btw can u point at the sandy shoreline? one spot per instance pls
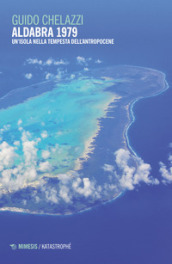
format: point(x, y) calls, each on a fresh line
point(89, 148)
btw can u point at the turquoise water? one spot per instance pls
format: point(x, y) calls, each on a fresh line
point(55, 126)
point(46, 130)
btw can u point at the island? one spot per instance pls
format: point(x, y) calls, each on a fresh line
point(64, 145)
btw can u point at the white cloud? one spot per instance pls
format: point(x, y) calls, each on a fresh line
point(67, 178)
point(132, 175)
point(5, 128)
point(28, 76)
point(59, 74)
point(98, 61)
point(86, 69)
point(61, 62)
point(45, 154)
point(20, 128)
point(37, 199)
point(55, 148)
point(44, 134)
point(49, 76)
point(29, 149)
point(81, 60)
point(34, 61)
point(18, 171)
point(69, 187)
point(17, 143)
point(14, 177)
point(87, 189)
point(126, 172)
point(64, 194)
point(166, 172)
point(45, 166)
point(7, 155)
point(51, 195)
point(24, 202)
point(108, 167)
point(6, 175)
point(30, 173)
point(72, 76)
point(49, 62)
point(19, 122)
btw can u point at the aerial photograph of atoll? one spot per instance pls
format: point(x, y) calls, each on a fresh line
point(65, 141)
point(85, 132)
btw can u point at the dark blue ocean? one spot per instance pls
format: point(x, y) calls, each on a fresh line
point(136, 227)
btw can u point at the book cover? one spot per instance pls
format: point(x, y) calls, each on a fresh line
point(85, 132)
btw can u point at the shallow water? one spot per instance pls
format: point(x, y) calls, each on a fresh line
point(70, 133)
